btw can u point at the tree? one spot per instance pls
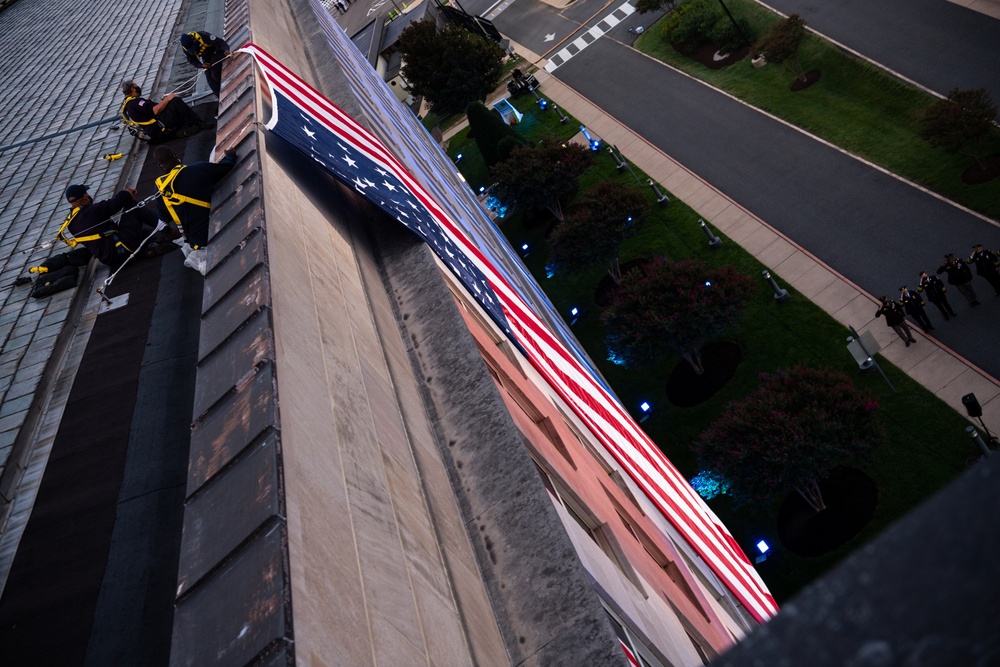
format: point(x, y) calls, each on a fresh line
point(535, 177)
point(488, 128)
point(450, 67)
point(674, 307)
point(961, 123)
point(781, 44)
point(789, 434)
point(610, 213)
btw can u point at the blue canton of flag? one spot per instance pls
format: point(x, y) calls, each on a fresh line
point(383, 189)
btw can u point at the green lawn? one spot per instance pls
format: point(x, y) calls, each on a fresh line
point(854, 105)
point(925, 445)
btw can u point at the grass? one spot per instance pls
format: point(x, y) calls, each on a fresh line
point(925, 444)
point(854, 105)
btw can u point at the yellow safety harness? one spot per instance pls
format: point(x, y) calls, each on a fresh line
point(128, 120)
point(72, 241)
point(165, 184)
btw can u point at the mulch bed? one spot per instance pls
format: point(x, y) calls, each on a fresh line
point(850, 496)
point(686, 389)
point(812, 76)
point(976, 175)
point(705, 54)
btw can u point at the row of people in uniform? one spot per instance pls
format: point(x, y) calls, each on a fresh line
point(185, 191)
point(960, 276)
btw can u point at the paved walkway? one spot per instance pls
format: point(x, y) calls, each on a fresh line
point(933, 365)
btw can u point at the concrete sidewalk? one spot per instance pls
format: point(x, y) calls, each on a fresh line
point(942, 371)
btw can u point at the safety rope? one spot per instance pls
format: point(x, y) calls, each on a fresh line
point(160, 225)
point(187, 85)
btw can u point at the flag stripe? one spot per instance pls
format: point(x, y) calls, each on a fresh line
point(617, 431)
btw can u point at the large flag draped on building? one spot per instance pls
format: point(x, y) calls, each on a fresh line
point(322, 131)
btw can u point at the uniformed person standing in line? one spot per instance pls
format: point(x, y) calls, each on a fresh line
point(935, 290)
point(914, 307)
point(987, 266)
point(206, 51)
point(959, 277)
point(896, 319)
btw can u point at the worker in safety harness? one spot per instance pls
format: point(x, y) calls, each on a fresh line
point(187, 192)
point(206, 51)
point(90, 223)
point(170, 117)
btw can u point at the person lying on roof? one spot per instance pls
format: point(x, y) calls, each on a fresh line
point(159, 121)
point(206, 51)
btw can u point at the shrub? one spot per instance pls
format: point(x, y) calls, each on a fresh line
point(781, 44)
point(961, 123)
point(694, 25)
point(490, 131)
point(609, 213)
point(727, 38)
point(674, 307)
point(789, 434)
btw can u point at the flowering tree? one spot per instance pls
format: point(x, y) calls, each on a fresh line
point(536, 177)
point(674, 307)
point(609, 213)
point(961, 123)
point(781, 44)
point(789, 434)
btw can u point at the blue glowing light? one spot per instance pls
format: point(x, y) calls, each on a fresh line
point(524, 247)
point(550, 270)
point(708, 283)
point(458, 157)
point(615, 359)
point(762, 547)
point(710, 484)
point(543, 103)
point(645, 407)
point(498, 207)
point(574, 311)
point(482, 189)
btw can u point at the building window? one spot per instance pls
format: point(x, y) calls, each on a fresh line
point(637, 650)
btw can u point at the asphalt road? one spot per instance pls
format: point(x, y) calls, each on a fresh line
point(876, 230)
point(936, 43)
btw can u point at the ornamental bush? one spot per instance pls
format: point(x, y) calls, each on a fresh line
point(607, 215)
point(961, 123)
point(789, 434)
point(781, 44)
point(674, 307)
point(693, 26)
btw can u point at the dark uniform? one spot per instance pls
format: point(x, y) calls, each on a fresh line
point(987, 266)
point(959, 277)
point(112, 244)
point(203, 48)
point(914, 307)
point(187, 194)
point(896, 319)
point(176, 119)
point(934, 289)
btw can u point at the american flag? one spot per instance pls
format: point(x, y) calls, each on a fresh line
point(321, 130)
